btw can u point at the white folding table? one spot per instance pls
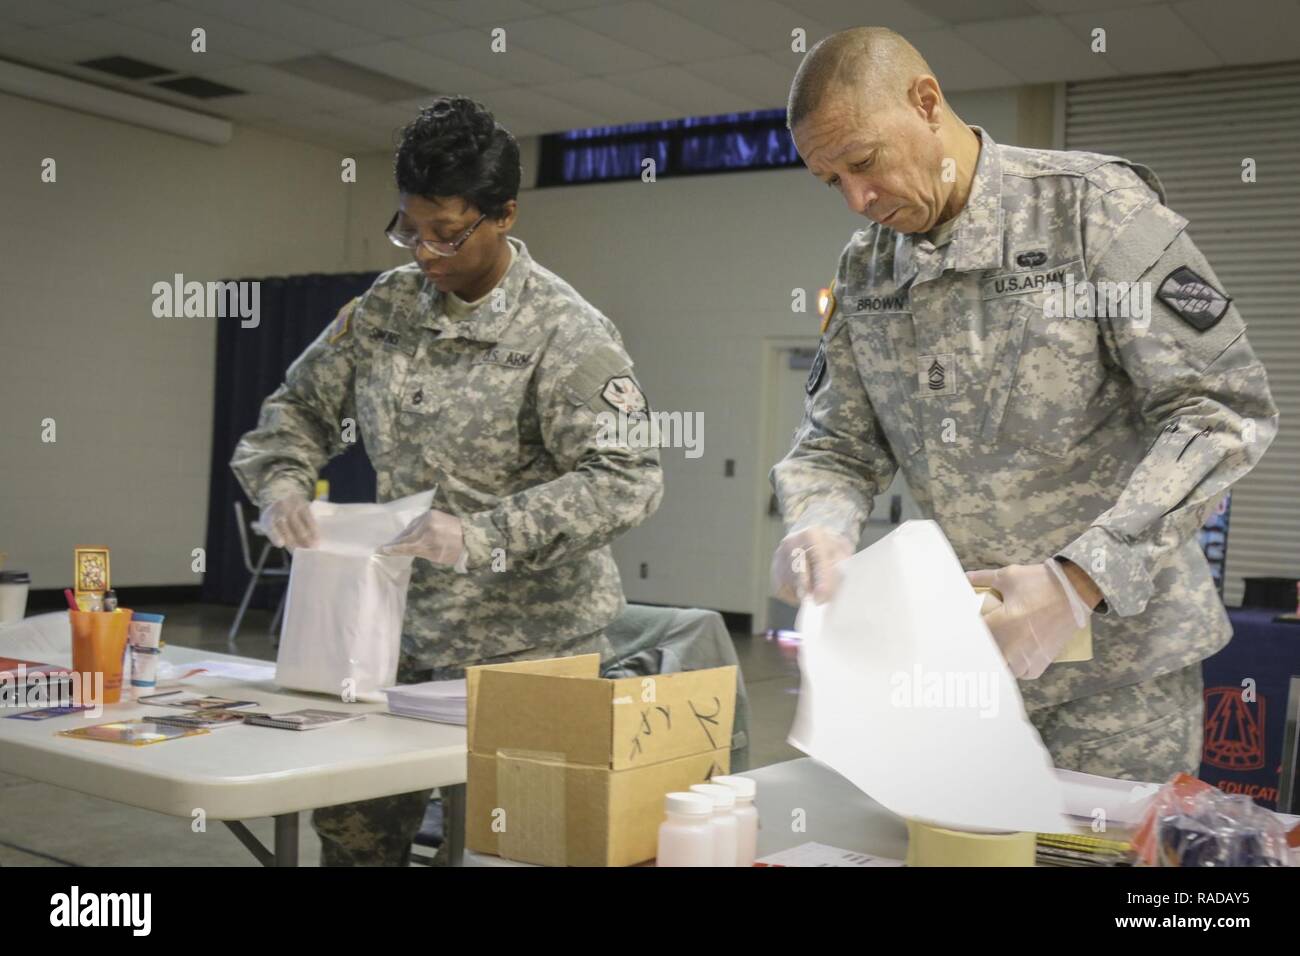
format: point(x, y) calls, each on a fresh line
point(236, 773)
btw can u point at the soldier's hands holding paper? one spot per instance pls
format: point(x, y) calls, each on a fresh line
point(805, 564)
point(435, 536)
point(288, 522)
point(1039, 612)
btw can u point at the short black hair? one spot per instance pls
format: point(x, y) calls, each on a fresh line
point(455, 147)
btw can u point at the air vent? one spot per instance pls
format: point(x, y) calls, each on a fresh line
point(198, 87)
point(126, 67)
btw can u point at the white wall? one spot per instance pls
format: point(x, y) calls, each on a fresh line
point(131, 395)
point(697, 273)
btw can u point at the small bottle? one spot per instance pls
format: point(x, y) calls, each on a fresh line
point(110, 600)
point(686, 837)
point(725, 828)
point(746, 817)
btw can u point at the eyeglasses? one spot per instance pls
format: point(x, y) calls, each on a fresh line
point(411, 240)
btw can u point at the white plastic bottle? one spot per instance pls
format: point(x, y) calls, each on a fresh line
point(725, 828)
point(746, 817)
point(686, 837)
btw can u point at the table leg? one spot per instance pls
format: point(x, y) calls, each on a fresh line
point(453, 823)
point(286, 839)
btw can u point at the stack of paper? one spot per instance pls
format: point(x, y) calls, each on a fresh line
point(443, 701)
point(906, 694)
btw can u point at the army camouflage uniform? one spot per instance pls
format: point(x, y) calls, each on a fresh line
point(1103, 440)
point(502, 410)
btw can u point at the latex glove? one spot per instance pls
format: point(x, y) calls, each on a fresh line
point(288, 523)
point(1039, 613)
point(435, 536)
point(806, 563)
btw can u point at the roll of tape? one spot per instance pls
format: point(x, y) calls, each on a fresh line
point(929, 845)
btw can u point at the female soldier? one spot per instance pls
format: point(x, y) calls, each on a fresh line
point(476, 371)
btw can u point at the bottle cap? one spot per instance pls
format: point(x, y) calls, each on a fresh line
point(744, 786)
point(724, 798)
point(688, 804)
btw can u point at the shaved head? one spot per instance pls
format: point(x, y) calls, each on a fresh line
point(869, 120)
point(875, 60)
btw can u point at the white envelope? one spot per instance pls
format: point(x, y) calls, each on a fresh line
point(343, 614)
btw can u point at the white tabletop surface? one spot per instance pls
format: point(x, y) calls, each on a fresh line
point(236, 772)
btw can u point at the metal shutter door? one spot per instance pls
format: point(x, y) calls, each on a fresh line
point(1194, 130)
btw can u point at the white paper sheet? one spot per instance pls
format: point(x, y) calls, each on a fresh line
point(232, 670)
point(906, 694)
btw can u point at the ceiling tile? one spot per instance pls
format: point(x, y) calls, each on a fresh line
point(1245, 31)
point(1145, 40)
point(223, 37)
point(1076, 6)
point(963, 11)
point(958, 64)
point(39, 13)
point(687, 94)
point(526, 112)
point(422, 68)
point(391, 18)
point(659, 32)
point(261, 78)
point(515, 65)
point(479, 13)
point(843, 14)
point(301, 25)
point(100, 36)
point(759, 24)
point(1037, 49)
point(564, 5)
point(614, 104)
point(93, 7)
point(752, 76)
point(586, 51)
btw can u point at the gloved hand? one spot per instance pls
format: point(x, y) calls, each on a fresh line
point(1039, 613)
point(805, 563)
point(288, 522)
point(435, 536)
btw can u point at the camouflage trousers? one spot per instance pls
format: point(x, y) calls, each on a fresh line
point(379, 832)
point(1147, 731)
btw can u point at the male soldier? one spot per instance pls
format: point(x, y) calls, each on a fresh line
point(476, 371)
point(1067, 447)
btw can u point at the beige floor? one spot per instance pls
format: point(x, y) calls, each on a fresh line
point(41, 825)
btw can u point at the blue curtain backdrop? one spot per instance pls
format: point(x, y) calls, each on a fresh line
point(250, 365)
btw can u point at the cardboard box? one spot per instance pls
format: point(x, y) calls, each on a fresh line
point(568, 768)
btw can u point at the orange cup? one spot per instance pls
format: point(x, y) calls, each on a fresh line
point(98, 645)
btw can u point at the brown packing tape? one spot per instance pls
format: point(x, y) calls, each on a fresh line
point(531, 796)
